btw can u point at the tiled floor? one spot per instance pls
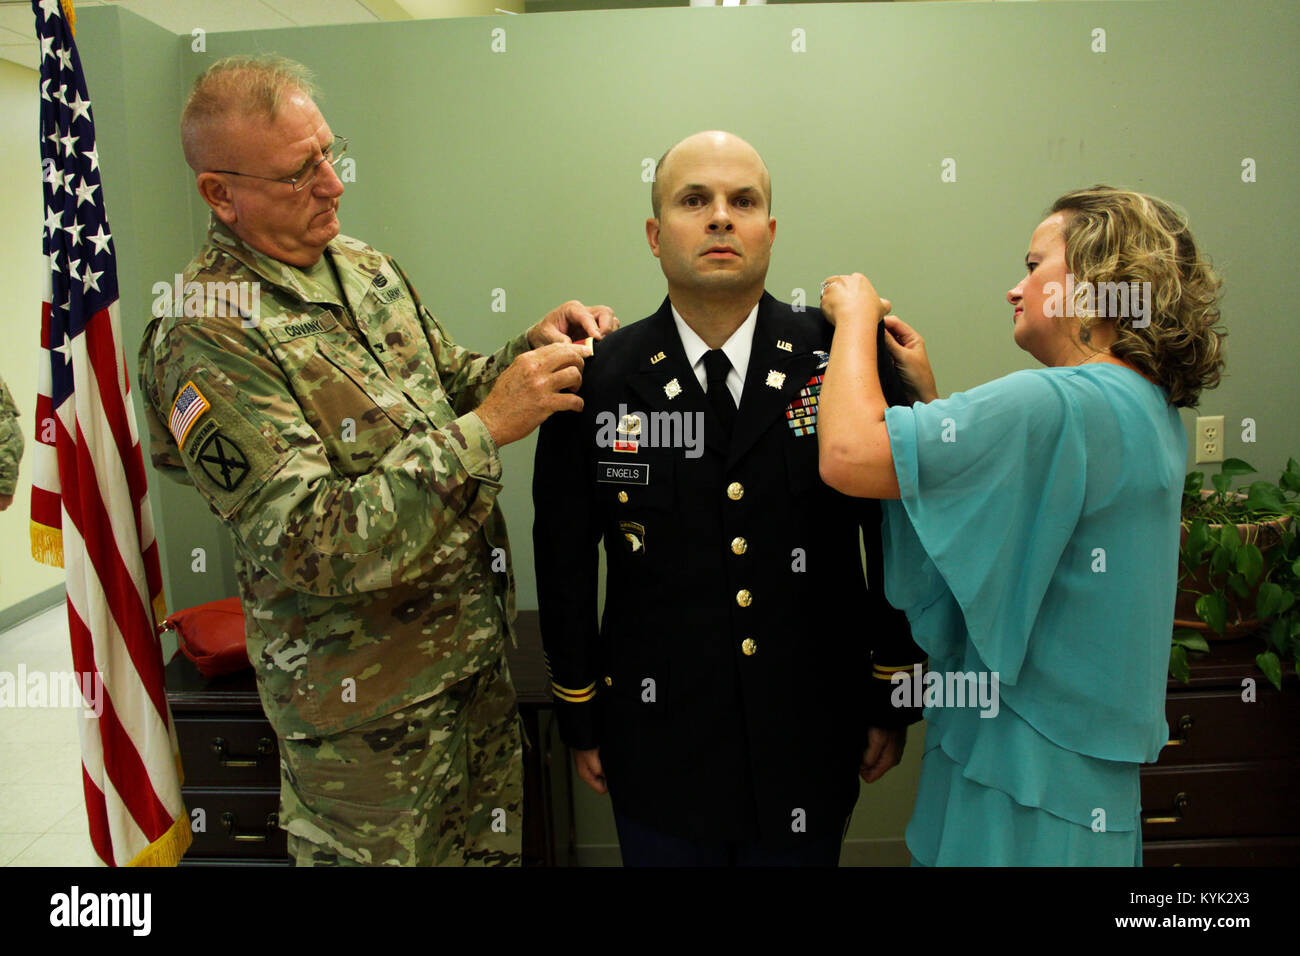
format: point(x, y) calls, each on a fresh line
point(42, 809)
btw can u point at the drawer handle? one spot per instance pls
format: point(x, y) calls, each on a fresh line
point(1180, 804)
point(265, 746)
point(1184, 726)
point(229, 822)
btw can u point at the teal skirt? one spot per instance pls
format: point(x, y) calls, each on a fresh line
point(958, 822)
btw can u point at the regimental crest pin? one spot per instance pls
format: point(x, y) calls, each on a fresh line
point(784, 345)
point(673, 388)
point(775, 379)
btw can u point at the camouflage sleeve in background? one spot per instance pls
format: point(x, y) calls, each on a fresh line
point(11, 442)
point(468, 376)
point(324, 513)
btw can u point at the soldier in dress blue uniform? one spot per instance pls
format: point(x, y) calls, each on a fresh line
point(739, 679)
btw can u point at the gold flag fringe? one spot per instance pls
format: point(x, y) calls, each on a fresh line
point(47, 544)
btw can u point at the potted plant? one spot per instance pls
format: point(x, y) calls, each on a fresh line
point(1239, 567)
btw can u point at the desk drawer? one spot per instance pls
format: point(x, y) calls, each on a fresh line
point(1252, 851)
point(221, 751)
point(1223, 799)
point(1217, 726)
point(237, 823)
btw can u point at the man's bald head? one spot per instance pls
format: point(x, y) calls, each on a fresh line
point(703, 143)
point(236, 88)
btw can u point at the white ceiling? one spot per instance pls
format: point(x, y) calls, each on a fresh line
point(18, 27)
point(18, 24)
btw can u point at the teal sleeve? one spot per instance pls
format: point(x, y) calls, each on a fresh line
point(991, 486)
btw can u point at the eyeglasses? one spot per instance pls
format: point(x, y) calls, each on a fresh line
point(332, 156)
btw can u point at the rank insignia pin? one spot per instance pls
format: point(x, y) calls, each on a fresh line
point(656, 359)
point(775, 379)
point(629, 425)
point(786, 346)
point(674, 388)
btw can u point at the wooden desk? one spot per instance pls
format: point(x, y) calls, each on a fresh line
point(1223, 792)
point(232, 762)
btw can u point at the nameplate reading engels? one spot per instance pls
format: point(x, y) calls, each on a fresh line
point(623, 473)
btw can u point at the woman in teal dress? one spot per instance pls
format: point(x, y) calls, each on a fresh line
point(1035, 532)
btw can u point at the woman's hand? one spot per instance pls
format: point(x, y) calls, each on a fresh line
point(845, 298)
point(908, 351)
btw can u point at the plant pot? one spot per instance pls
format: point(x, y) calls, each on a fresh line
point(1264, 536)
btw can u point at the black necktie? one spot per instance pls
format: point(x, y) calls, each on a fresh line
point(716, 367)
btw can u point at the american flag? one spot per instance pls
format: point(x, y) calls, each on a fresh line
point(90, 502)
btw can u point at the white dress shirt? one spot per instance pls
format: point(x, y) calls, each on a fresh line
point(737, 349)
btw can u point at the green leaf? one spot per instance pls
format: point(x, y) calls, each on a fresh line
point(1269, 601)
point(1213, 610)
point(1264, 496)
point(1219, 559)
point(1178, 668)
point(1191, 640)
point(1277, 634)
point(1272, 667)
point(1288, 599)
point(1233, 467)
point(1250, 562)
point(1238, 584)
point(1198, 537)
point(1192, 484)
point(1290, 479)
point(1221, 483)
point(1229, 539)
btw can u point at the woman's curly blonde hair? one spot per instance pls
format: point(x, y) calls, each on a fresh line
point(1122, 237)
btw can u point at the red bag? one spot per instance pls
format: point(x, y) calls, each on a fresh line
point(212, 636)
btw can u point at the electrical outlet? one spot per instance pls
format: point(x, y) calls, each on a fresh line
point(1209, 439)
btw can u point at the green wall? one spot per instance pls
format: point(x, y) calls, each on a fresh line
point(522, 170)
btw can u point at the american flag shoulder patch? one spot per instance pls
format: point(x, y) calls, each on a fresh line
point(189, 405)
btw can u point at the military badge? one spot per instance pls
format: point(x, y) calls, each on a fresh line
point(633, 536)
point(629, 426)
point(673, 388)
point(223, 462)
point(657, 358)
point(784, 345)
point(587, 345)
point(189, 405)
point(823, 359)
point(801, 414)
point(775, 379)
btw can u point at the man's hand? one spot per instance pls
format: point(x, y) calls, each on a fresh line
point(589, 769)
point(571, 321)
point(845, 298)
point(884, 750)
point(908, 351)
point(6, 501)
point(536, 384)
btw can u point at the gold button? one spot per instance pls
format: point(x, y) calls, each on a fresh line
point(749, 646)
point(609, 682)
point(622, 497)
point(738, 545)
point(735, 491)
point(744, 598)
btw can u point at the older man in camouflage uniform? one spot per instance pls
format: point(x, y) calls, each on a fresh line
point(353, 451)
point(11, 446)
